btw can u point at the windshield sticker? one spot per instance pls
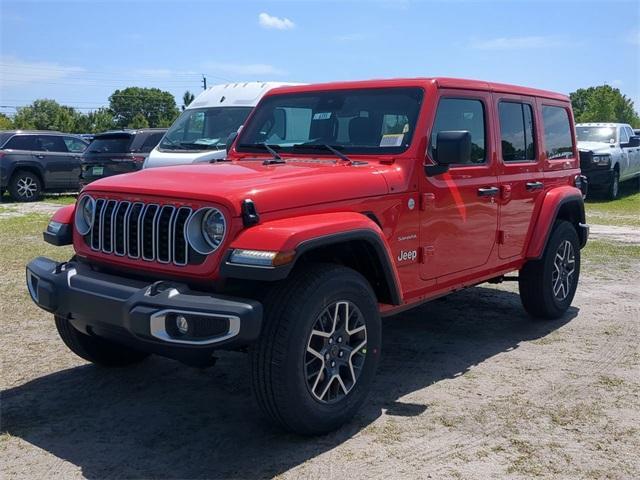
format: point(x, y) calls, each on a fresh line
point(392, 140)
point(322, 116)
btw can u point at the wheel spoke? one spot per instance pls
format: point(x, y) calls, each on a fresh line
point(331, 364)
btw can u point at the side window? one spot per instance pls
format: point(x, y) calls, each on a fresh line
point(557, 132)
point(51, 143)
point(461, 114)
point(624, 136)
point(21, 142)
point(516, 131)
point(150, 142)
point(74, 145)
point(630, 132)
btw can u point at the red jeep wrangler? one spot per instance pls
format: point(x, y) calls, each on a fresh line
point(337, 204)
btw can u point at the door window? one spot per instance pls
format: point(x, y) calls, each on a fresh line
point(557, 132)
point(22, 142)
point(51, 143)
point(516, 132)
point(75, 145)
point(624, 136)
point(461, 114)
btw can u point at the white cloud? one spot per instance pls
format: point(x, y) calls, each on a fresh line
point(517, 43)
point(17, 72)
point(269, 21)
point(634, 38)
point(350, 37)
point(249, 69)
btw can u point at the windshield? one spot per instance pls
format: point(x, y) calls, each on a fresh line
point(352, 121)
point(204, 128)
point(110, 144)
point(596, 134)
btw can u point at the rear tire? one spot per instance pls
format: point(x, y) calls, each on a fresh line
point(96, 350)
point(548, 285)
point(25, 186)
point(311, 371)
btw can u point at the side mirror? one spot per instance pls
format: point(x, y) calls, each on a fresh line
point(452, 147)
point(634, 141)
point(230, 139)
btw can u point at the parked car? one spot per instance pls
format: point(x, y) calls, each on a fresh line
point(33, 162)
point(609, 154)
point(200, 134)
point(119, 151)
point(339, 204)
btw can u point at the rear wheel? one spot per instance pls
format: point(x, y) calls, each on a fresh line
point(314, 362)
point(548, 285)
point(96, 350)
point(25, 186)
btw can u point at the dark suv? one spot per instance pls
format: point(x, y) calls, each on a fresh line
point(35, 161)
point(115, 152)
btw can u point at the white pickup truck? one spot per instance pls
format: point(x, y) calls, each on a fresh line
point(609, 154)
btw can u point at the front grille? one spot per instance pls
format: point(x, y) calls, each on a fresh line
point(155, 233)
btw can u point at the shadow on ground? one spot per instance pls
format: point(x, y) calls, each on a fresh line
point(163, 420)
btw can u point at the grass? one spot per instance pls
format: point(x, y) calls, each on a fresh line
point(604, 251)
point(624, 212)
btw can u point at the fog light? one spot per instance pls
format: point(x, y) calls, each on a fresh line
point(182, 324)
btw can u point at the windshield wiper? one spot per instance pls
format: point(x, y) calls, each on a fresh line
point(276, 156)
point(323, 146)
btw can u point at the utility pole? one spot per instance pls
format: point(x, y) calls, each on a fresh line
point(204, 82)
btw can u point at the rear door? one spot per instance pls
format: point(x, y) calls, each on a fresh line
point(460, 212)
point(61, 167)
point(520, 171)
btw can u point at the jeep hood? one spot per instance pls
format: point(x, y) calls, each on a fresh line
point(595, 147)
point(271, 187)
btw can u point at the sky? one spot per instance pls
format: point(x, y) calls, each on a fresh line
point(79, 52)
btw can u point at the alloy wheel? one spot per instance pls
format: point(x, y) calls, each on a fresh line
point(26, 187)
point(564, 267)
point(336, 351)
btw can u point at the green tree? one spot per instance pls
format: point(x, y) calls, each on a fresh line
point(46, 114)
point(156, 106)
point(603, 104)
point(138, 121)
point(187, 98)
point(95, 121)
point(5, 122)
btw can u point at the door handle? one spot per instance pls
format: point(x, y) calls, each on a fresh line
point(534, 186)
point(40, 156)
point(488, 191)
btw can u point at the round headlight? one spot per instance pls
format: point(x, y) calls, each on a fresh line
point(213, 227)
point(206, 230)
point(85, 210)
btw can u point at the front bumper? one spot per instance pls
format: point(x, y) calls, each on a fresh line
point(599, 178)
point(142, 314)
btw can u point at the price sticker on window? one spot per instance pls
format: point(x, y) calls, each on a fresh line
point(392, 140)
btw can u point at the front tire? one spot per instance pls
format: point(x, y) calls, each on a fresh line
point(614, 187)
point(25, 186)
point(548, 285)
point(96, 350)
point(319, 349)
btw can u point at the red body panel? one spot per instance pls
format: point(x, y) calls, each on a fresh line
point(64, 214)
point(439, 233)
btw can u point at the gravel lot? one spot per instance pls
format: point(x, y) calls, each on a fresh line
point(468, 387)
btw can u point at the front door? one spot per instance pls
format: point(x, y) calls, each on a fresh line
point(459, 208)
point(519, 169)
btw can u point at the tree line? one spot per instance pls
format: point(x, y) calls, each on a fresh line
point(132, 107)
point(136, 107)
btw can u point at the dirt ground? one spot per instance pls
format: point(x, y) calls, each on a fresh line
point(468, 387)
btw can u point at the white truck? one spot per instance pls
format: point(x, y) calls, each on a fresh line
point(200, 134)
point(609, 154)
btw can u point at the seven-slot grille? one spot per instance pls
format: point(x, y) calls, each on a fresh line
point(139, 230)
